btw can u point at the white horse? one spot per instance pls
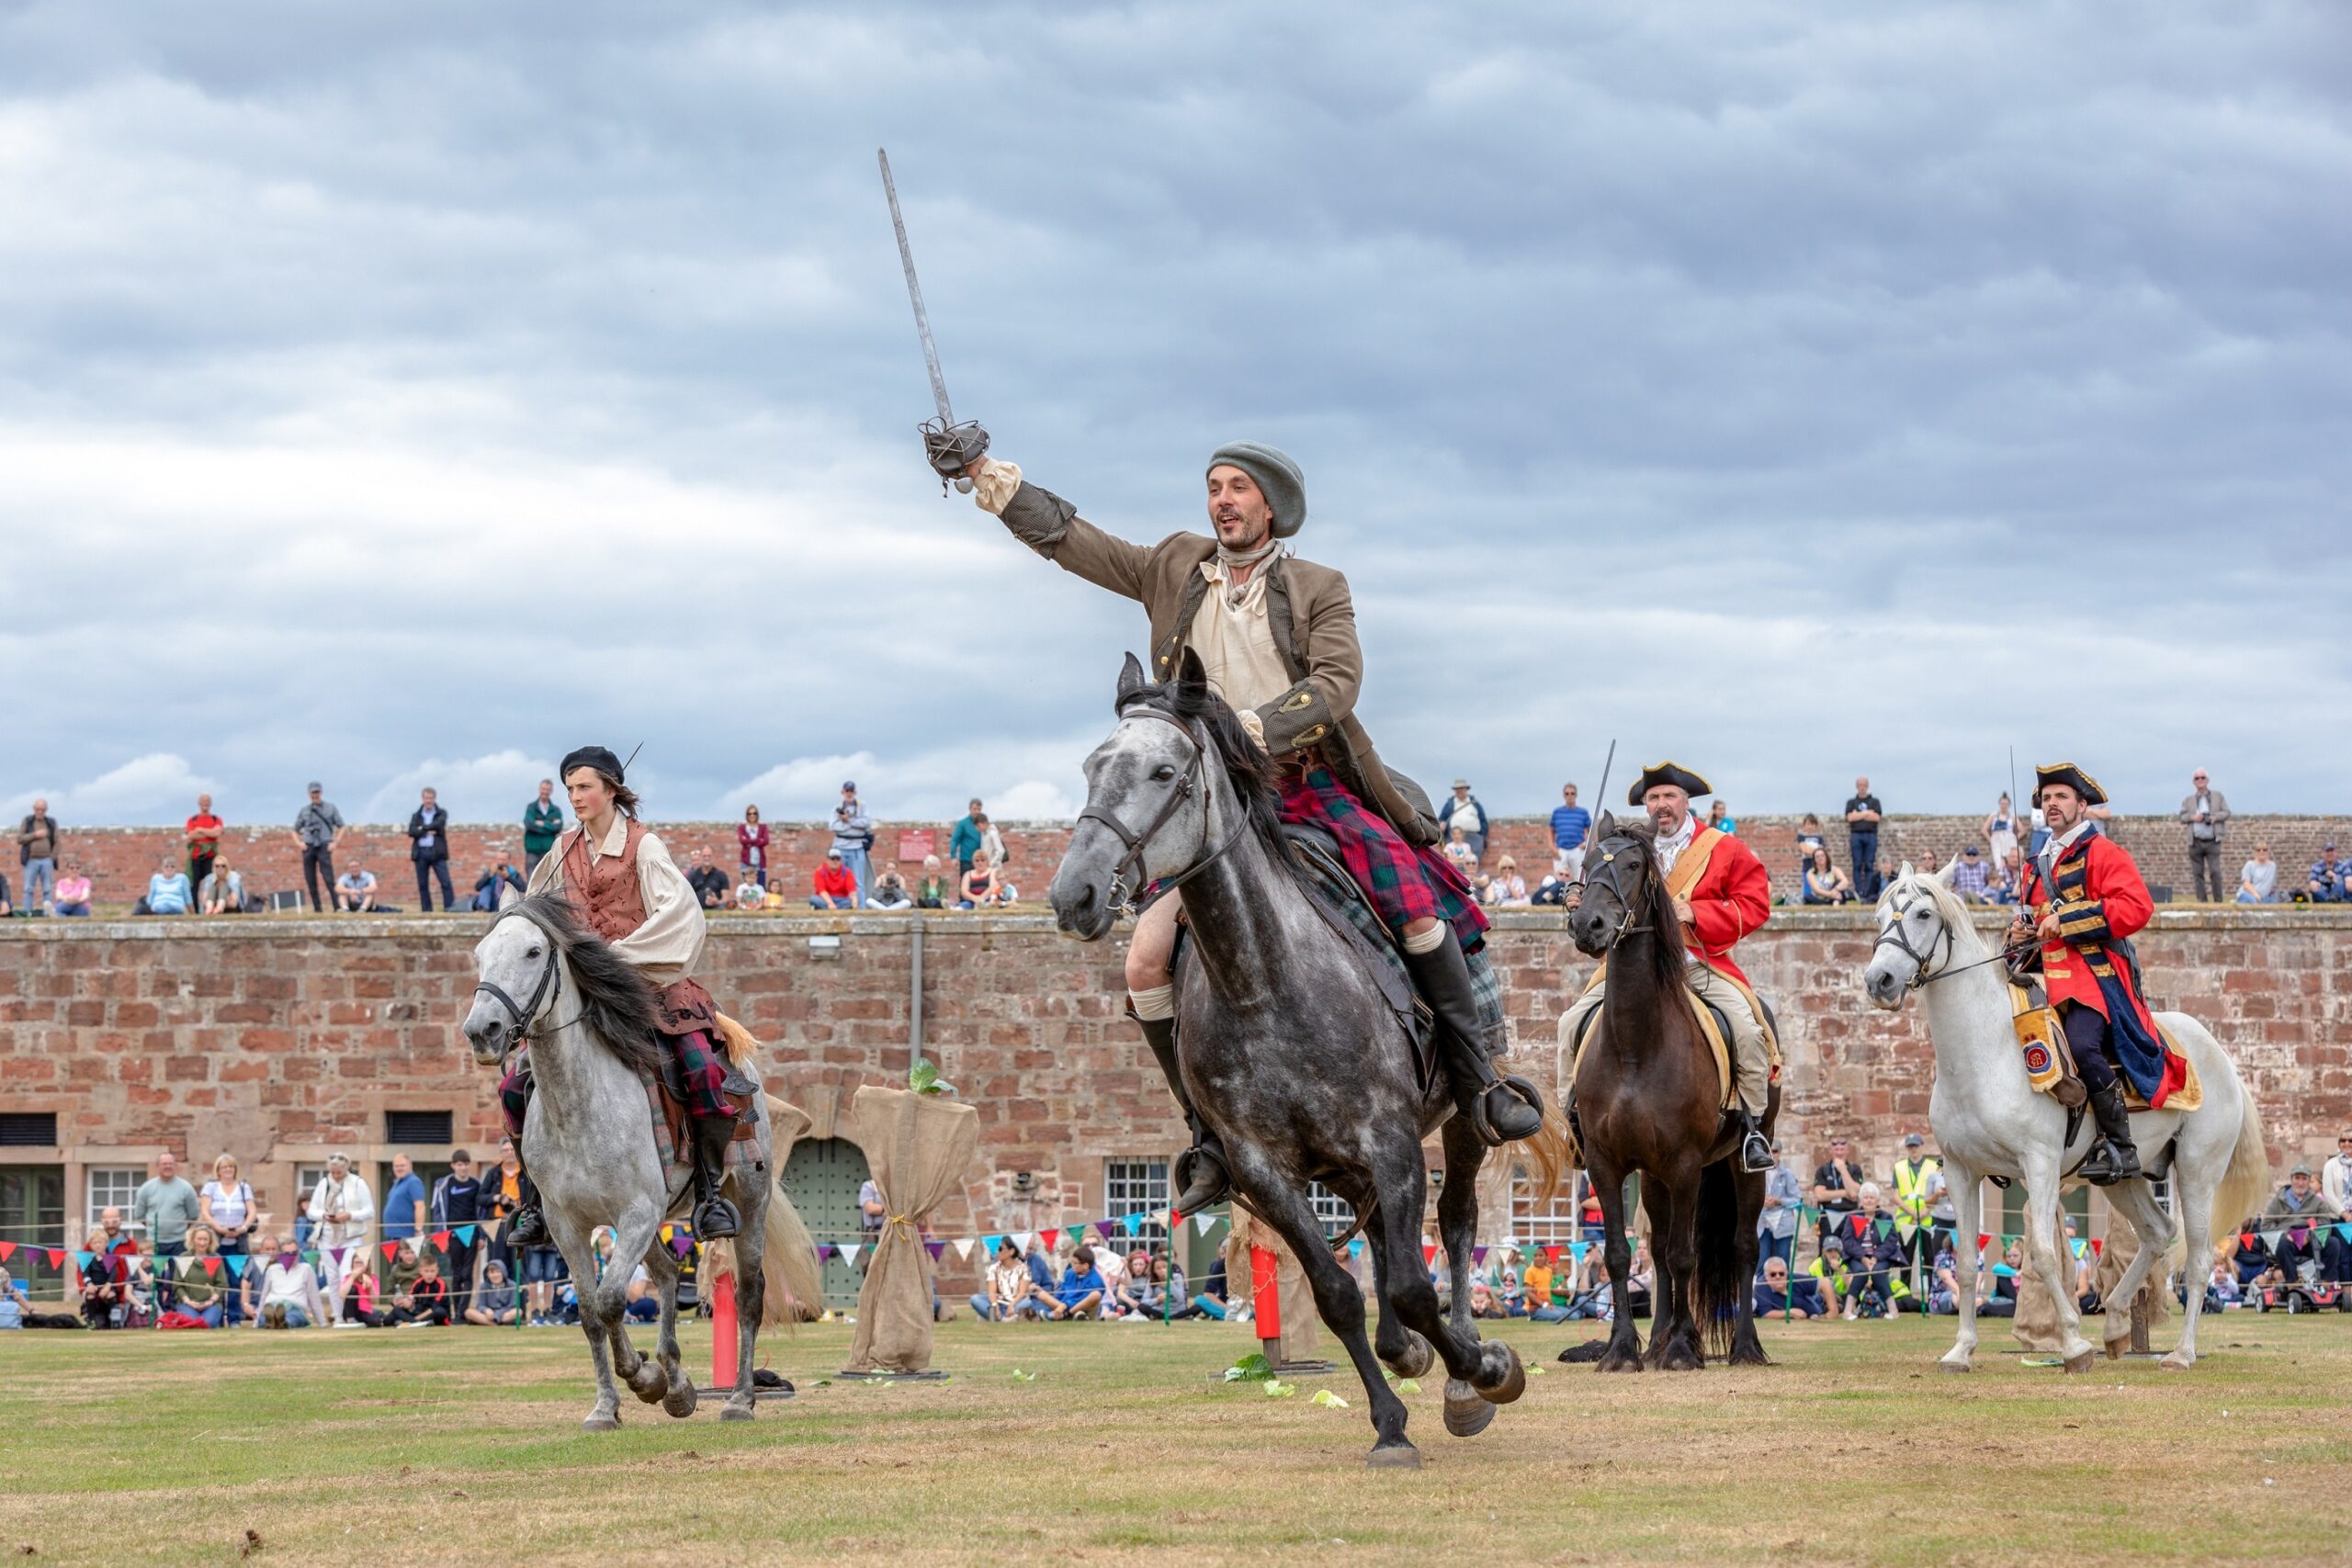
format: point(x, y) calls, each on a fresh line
point(588, 1143)
point(1990, 1121)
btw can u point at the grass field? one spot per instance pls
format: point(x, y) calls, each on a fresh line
point(463, 1445)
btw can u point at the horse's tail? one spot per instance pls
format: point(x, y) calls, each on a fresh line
point(2246, 1183)
point(1720, 1283)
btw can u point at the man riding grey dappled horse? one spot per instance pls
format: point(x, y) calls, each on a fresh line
point(622, 884)
point(1277, 638)
point(1721, 893)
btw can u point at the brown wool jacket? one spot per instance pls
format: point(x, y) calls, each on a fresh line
point(1313, 622)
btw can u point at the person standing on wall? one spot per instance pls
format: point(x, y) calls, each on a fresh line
point(428, 834)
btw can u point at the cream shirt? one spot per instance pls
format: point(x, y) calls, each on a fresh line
point(1236, 642)
point(668, 946)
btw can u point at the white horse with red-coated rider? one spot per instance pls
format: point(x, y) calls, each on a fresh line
point(1989, 1121)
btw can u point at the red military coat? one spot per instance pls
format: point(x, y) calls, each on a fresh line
point(2101, 901)
point(1729, 892)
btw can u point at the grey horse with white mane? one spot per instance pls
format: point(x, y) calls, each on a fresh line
point(1289, 1047)
point(588, 1141)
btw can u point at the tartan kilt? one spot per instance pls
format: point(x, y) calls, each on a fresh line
point(1404, 884)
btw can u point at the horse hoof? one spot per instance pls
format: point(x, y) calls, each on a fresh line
point(1415, 1358)
point(735, 1413)
point(1399, 1455)
point(2081, 1364)
point(1467, 1413)
point(681, 1399)
point(1513, 1382)
point(602, 1422)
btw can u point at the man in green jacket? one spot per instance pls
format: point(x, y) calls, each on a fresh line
point(1277, 635)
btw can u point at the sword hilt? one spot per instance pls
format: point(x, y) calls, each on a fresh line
point(952, 448)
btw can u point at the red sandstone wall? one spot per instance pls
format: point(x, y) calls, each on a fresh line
point(281, 1040)
point(120, 859)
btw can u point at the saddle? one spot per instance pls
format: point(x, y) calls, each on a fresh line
point(1351, 916)
point(1714, 1023)
point(2049, 1063)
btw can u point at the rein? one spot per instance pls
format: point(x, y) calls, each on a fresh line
point(1131, 864)
point(551, 986)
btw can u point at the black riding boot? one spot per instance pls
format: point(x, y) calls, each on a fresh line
point(2112, 1158)
point(715, 1218)
point(528, 1227)
point(1500, 1109)
point(1202, 1178)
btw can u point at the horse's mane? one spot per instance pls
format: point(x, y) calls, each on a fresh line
point(1249, 768)
point(614, 1000)
point(1949, 908)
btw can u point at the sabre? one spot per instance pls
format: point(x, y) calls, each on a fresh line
point(948, 446)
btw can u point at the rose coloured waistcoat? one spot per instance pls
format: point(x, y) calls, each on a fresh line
point(605, 894)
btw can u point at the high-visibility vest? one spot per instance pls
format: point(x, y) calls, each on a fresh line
point(1911, 1188)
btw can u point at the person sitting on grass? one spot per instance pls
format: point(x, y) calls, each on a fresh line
point(423, 1300)
point(1009, 1286)
point(1773, 1299)
point(283, 1293)
point(1080, 1293)
point(493, 1303)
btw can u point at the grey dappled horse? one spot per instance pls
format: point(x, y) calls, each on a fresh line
point(588, 1143)
point(1288, 1047)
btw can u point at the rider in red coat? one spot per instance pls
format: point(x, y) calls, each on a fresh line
point(2083, 897)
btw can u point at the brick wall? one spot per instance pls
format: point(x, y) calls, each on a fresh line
point(282, 1040)
point(119, 860)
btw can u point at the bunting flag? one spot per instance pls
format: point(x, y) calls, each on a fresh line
point(963, 1246)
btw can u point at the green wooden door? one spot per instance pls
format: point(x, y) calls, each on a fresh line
point(821, 1178)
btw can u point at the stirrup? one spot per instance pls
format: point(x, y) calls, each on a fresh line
point(1521, 1112)
point(1201, 1179)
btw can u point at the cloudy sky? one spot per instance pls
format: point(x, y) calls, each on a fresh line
point(1793, 388)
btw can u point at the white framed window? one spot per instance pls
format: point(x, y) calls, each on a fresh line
point(1549, 1224)
point(1334, 1211)
point(111, 1186)
point(1137, 1186)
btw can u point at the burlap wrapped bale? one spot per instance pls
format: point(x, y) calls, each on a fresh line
point(917, 1147)
point(1302, 1327)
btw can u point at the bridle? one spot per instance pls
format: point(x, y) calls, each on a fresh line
point(1607, 877)
point(1893, 935)
point(1193, 778)
point(551, 984)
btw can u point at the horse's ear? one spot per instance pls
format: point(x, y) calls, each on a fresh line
point(1189, 671)
point(1905, 875)
point(1130, 680)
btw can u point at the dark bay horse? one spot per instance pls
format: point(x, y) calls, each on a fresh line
point(1288, 1047)
point(1648, 1098)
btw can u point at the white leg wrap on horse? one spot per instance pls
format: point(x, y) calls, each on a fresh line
point(1156, 1003)
point(1429, 940)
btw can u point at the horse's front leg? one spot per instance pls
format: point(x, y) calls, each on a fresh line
point(2044, 1255)
point(1968, 1203)
point(1624, 1353)
point(572, 1239)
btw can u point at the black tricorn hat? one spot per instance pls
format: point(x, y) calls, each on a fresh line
point(2072, 777)
point(1673, 774)
point(597, 756)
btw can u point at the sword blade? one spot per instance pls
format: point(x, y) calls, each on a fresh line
point(915, 292)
